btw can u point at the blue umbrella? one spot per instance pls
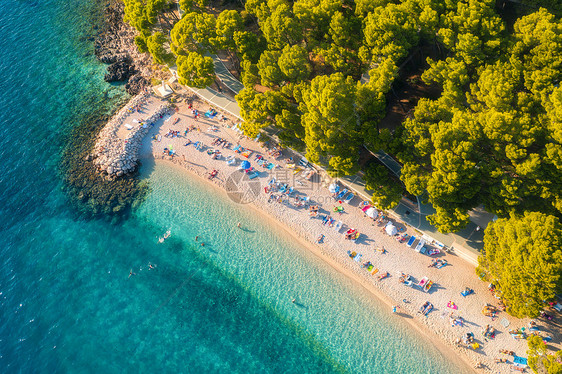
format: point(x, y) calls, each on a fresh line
point(245, 165)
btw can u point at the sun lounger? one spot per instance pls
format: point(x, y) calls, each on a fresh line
point(236, 148)
point(349, 198)
point(253, 174)
point(247, 154)
point(420, 245)
point(303, 162)
point(270, 166)
point(341, 194)
point(411, 241)
point(338, 226)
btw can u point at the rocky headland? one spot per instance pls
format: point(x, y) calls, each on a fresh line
point(115, 46)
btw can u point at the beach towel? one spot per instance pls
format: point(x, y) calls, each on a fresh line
point(270, 166)
point(128, 127)
point(364, 209)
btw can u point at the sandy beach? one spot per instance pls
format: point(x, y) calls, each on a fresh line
point(448, 304)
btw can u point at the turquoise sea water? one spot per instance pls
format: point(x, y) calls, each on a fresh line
point(67, 304)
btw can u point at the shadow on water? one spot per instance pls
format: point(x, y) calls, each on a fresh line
point(247, 230)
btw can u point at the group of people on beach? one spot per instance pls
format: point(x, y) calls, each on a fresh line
point(172, 134)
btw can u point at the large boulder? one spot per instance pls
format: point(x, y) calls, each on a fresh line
point(119, 71)
point(136, 84)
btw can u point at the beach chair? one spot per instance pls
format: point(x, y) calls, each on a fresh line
point(420, 245)
point(341, 194)
point(338, 226)
point(411, 241)
point(303, 162)
point(253, 174)
point(349, 198)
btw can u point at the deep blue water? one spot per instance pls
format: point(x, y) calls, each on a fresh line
point(66, 302)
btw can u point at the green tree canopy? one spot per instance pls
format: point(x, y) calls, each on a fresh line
point(390, 32)
point(539, 359)
point(280, 28)
point(195, 32)
point(249, 45)
point(294, 64)
point(387, 192)
point(522, 256)
point(228, 23)
point(195, 70)
point(330, 123)
point(269, 70)
point(155, 45)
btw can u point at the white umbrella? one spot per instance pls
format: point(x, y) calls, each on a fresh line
point(371, 212)
point(333, 188)
point(391, 229)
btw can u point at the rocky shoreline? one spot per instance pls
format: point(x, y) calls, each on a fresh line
point(115, 155)
point(92, 193)
point(115, 46)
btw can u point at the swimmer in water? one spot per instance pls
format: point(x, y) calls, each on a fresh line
point(131, 273)
point(238, 225)
point(202, 244)
point(197, 238)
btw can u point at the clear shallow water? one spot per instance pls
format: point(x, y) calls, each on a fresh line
point(66, 302)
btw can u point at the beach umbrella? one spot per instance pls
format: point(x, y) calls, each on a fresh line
point(245, 165)
point(391, 229)
point(371, 212)
point(333, 188)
